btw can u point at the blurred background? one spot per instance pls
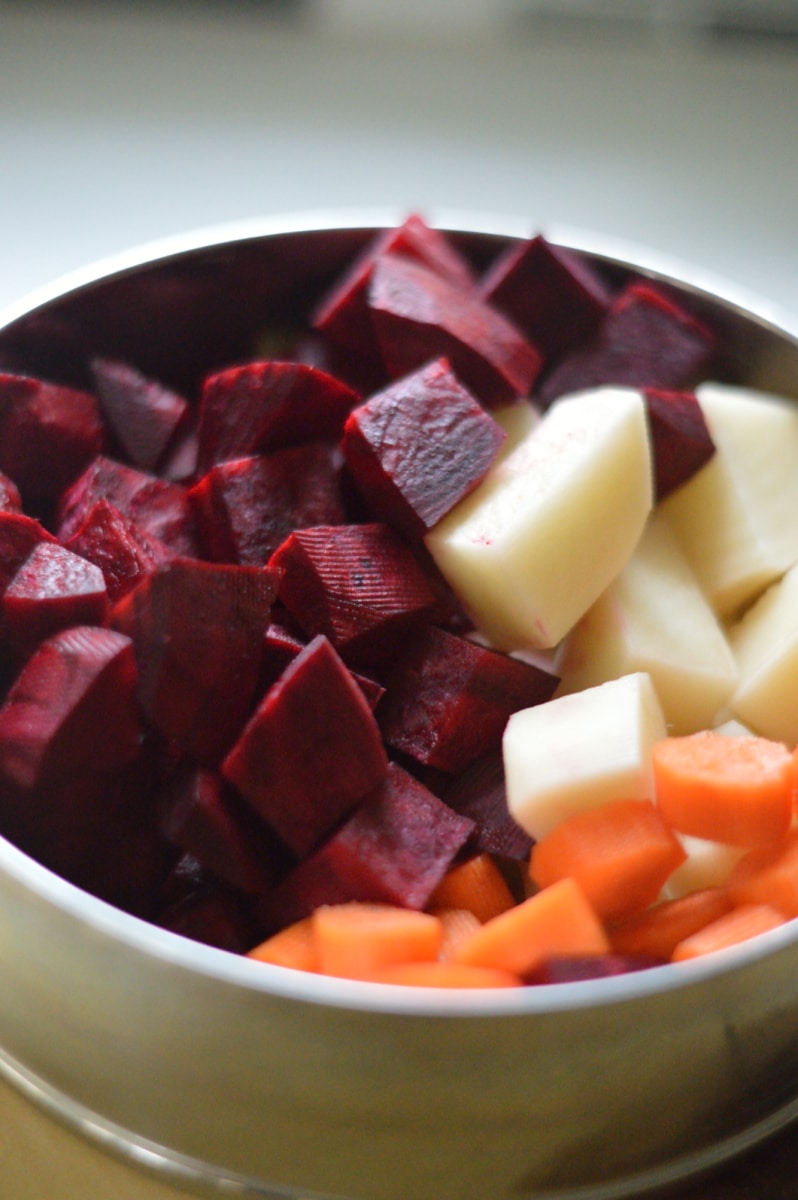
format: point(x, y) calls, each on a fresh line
point(671, 124)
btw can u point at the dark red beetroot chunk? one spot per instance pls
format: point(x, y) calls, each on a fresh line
point(281, 646)
point(48, 434)
point(199, 906)
point(10, 500)
point(143, 414)
point(52, 590)
point(246, 507)
point(479, 792)
point(19, 535)
point(419, 446)
point(73, 709)
point(448, 700)
point(123, 552)
point(418, 316)
point(645, 341)
point(159, 509)
point(261, 406)
point(552, 295)
point(680, 439)
point(359, 585)
point(198, 630)
point(395, 848)
point(311, 750)
point(597, 966)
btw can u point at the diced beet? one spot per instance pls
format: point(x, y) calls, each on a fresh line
point(360, 585)
point(311, 750)
point(19, 536)
point(418, 316)
point(419, 446)
point(204, 816)
point(48, 434)
point(448, 700)
point(202, 908)
point(115, 544)
point(198, 629)
point(261, 406)
point(180, 463)
point(10, 500)
point(680, 439)
point(281, 646)
point(52, 590)
point(158, 508)
point(479, 792)
point(395, 848)
point(72, 709)
point(143, 414)
point(246, 507)
point(595, 966)
point(646, 340)
point(552, 295)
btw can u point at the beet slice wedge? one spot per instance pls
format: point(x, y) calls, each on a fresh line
point(10, 499)
point(418, 317)
point(246, 507)
point(552, 295)
point(281, 646)
point(143, 414)
point(198, 629)
point(479, 792)
point(19, 536)
point(115, 544)
point(448, 700)
point(646, 340)
point(52, 590)
point(394, 848)
point(73, 709)
point(310, 751)
point(197, 905)
point(419, 446)
point(680, 439)
point(260, 406)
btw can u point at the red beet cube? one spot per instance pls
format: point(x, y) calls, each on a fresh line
point(594, 966)
point(198, 629)
point(201, 907)
point(448, 700)
point(552, 295)
point(261, 406)
point(118, 547)
point(143, 414)
point(360, 585)
point(10, 500)
point(52, 590)
point(418, 316)
point(73, 709)
point(48, 434)
point(246, 507)
point(680, 439)
point(646, 340)
point(311, 750)
point(395, 848)
point(281, 646)
point(479, 792)
point(419, 446)
point(19, 535)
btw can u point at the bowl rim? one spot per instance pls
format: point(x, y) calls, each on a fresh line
point(238, 971)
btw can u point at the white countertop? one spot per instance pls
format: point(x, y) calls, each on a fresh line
point(120, 124)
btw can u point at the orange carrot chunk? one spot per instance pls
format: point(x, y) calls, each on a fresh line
point(293, 946)
point(732, 790)
point(768, 875)
point(355, 939)
point(446, 975)
point(658, 931)
point(476, 884)
point(736, 926)
point(556, 921)
point(620, 854)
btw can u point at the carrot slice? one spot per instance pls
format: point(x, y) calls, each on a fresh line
point(457, 924)
point(293, 946)
point(557, 920)
point(476, 884)
point(733, 790)
point(620, 854)
point(355, 939)
point(658, 931)
point(768, 875)
point(736, 926)
point(446, 975)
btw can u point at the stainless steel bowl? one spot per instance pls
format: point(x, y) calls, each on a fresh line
point(231, 1077)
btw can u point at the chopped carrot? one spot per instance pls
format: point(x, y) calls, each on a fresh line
point(658, 931)
point(736, 926)
point(555, 921)
point(446, 975)
point(620, 854)
point(732, 790)
point(768, 875)
point(293, 946)
point(476, 884)
point(356, 939)
point(456, 925)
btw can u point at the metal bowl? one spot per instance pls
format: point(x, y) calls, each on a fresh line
point(230, 1077)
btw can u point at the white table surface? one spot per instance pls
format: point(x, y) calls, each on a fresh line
point(121, 123)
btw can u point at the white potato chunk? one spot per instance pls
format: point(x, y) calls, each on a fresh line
point(576, 752)
point(707, 865)
point(553, 522)
point(736, 518)
point(655, 618)
point(765, 643)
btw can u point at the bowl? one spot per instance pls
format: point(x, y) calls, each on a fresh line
point(230, 1077)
